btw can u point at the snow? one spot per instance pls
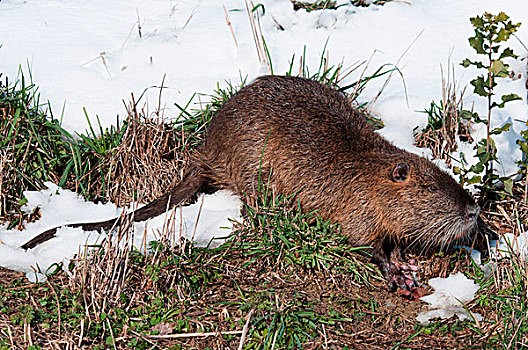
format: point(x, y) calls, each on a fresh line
point(508, 242)
point(453, 292)
point(60, 207)
point(90, 54)
point(450, 295)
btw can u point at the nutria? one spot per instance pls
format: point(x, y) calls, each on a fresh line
point(306, 138)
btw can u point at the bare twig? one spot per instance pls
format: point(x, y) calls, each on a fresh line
point(256, 30)
point(81, 335)
point(526, 187)
point(230, 26)
point(158, 112)
point(187, 21)
point(138, 24)
point(111, 333)
point(197, 218)
point(245, 330)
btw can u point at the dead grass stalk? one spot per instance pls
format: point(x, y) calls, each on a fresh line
point(446, 123)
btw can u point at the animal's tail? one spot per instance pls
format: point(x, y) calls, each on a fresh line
point(190, 185)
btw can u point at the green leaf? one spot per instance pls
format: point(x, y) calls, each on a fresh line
point(505, 99)
point(497, 66)
point(477, 168)
point(477, 43)
point(484, 157)
point(510, 97)
point(480, 85)
point(508, 185)
point(474, 180)
point(503, 74)
point(499, 130)
point(466, 63)
point(502, 35)
point(465, 114)
point(501, 17)
point(507, 53)
point(477, 22)
point(523, 146)
point(109, 340)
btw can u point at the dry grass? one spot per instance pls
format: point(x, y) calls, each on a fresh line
point(260, 43)
point(149, 160)
point(508, 215)
point(5, 170)
point(446, 123)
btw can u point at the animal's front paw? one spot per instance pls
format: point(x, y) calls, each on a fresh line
point(401, 279)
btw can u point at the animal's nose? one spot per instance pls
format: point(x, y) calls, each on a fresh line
point(472, 211)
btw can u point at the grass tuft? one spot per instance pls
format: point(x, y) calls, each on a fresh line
point(278, 234)
point(447, 122)
point(34, 149)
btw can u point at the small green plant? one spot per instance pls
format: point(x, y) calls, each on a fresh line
point(31, 145)
point(279, 234)
point(490, 31)
point(316, 5)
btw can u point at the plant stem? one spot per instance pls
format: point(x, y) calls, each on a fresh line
point(489, 164)
point(526, 187)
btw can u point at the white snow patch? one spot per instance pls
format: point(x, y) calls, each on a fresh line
point(59, 207)
point(501, 248)
point(450, 295)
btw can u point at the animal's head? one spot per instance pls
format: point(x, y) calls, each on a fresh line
point(422, 204)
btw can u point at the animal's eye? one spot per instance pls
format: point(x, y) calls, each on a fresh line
point(432, 188)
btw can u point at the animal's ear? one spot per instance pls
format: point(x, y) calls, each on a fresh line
point(400, 172)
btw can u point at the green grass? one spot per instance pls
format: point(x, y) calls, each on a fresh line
point(506, 293)
point(281, 236)
point(35, 148)
point(193, 122)
point(32, 144)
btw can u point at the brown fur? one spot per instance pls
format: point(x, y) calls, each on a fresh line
point(313, 142)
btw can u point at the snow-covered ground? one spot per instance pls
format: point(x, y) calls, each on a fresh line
point(211, 216)
point(94, 54)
